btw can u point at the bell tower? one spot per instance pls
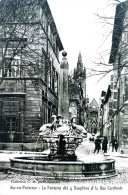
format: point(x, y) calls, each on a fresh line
point(81, 75)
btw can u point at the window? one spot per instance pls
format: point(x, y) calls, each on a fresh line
point(53, 78)
point(9, 52)
point(11, 61)
point(0, 72)
point(1, 52)
point(12, 52)
point(111, 86)
point(114, 104)
point(15, 68)
point(115, 95)
point(11, 68)
point(7, 67)
point(11, 123)
point(56, 83)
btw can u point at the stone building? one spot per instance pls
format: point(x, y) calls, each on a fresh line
point(105, 114)
point(119, 83)
point(92, 117)
point(29, 68)
point(77, 93)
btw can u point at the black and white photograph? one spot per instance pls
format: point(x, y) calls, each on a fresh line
point(63, 97)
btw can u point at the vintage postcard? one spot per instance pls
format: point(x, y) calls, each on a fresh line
point(63, 97)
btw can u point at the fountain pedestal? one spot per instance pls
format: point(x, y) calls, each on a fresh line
point(63, 148)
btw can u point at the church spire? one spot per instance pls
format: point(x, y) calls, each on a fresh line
point(80, 63)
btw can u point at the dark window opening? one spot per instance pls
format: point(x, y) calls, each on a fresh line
point(11, 123)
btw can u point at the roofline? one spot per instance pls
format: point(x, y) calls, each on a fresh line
point(43, 3)
point(117, 29)
point(54, 26)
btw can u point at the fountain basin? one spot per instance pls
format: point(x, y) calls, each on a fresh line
point(41, 166)
point(64, 161)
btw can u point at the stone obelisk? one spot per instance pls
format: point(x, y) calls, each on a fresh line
point(63, 109)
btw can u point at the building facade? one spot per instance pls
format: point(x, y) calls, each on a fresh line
point(93, 117)
point(118, 101)
point(105, 114)
point(29, 68)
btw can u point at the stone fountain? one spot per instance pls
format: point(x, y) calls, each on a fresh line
point(61, 161)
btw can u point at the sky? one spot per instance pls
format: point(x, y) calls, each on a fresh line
point(82, 31)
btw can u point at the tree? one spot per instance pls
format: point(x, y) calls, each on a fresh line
point(119, 48)
point(115, 27)
point(25, 37)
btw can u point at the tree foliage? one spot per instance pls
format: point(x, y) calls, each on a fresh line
point(24, 37)
point(115, 58)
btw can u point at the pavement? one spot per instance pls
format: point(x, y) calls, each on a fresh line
point(84, 149)
point(116, 154)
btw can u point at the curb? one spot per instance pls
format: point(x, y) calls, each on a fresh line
point(117, 155)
